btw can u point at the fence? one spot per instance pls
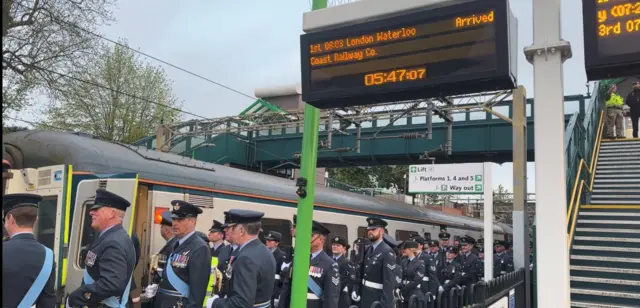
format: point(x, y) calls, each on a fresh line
point(508, 289)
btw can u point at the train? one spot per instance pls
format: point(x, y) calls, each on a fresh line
point(66, 169)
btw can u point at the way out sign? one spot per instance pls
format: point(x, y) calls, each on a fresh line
point(446, 179)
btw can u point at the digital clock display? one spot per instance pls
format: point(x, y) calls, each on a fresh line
point(611, 38)
point(461, 48)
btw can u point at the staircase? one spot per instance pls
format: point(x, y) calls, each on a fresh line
point(605, 254)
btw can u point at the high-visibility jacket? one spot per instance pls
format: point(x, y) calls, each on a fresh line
point(615, 101)
point(212, 279)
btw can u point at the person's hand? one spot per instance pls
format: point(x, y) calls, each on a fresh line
point(150, 291)
point(355, 296)
point(135, 300)
point(211, 300)
point(440, 289)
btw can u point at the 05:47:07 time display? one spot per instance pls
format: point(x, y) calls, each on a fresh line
point(399, 75)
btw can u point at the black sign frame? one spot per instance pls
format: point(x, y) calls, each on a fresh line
point(501, 78)
point(603, 67)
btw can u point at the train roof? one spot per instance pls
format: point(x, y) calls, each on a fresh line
point(85, 153)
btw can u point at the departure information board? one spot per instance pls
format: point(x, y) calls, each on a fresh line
point(462, 48)
point(611, 38)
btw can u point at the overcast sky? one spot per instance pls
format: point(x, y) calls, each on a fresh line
point(249, 44)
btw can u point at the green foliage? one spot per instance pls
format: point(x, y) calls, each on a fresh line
point(47, 34)
point(129, 104)
point(12, 129)
point(381, 177)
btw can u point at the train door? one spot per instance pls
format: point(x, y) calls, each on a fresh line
point(82, 235)
point(51, 183)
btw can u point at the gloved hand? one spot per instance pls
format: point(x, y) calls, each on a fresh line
point(355, 296)
point(440, 289)
point(150, 290)
point(211, 300)
point(66, 305)
point(275, 302)
point(284, 265)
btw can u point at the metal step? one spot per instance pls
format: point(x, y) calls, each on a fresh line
point(607, 222)
point(604, 269)
point(619, 176)
point(632, 198)
point(606, 259)
point(606, 293)
point(608, 239)
point(615, 162)
point(626, 155)
point(607, 230)
point(582, 304)
point(619, 169)
point(606, 248)
point(615, 202)
point(628, 147)
point(607, 158)
point(615, 190)
point(621, 181)
point(607, 281)
point(616, 186)
point(627, 214)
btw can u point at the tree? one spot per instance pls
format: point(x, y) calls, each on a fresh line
point(118, 97)
point(49, 34)
point(384, 177)
point(12, 129)
point(502, 194)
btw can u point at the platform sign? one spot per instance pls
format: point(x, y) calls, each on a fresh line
point(611, 38)
point(446, 179)
point(460, 48)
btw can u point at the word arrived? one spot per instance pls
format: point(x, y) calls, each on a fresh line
point(474, 20)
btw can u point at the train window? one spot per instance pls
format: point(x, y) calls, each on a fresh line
point(335, 230)
point(279, 225)
point(403, 235)
point(46, 223)
point(88, 234)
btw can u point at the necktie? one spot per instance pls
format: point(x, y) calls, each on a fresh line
point(176, 245)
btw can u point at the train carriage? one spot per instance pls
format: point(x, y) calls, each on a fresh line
point(66, 168)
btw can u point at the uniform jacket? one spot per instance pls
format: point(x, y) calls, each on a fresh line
point(413, 271)
point(253, 270)
point(502, 264)
point(22, 260)
point(188, 261)
point(470, 269)
point(346, 281)
point(110, 261)
point(430, 282)
point(452, 273)
point(380, 265)
point(280, 256)
point(633, 101)
point(326, 273)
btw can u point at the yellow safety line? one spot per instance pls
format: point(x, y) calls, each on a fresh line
point(67, 220)
point(604, 207)
point(133, 206)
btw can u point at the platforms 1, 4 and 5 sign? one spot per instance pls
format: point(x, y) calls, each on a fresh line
point(446, 179)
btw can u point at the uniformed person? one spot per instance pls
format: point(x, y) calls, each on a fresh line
point(224, 259)
point(166, 231)
point(430, 282)
point(379, 278)
point(439, 259)
point(27, 265)
point(413, 272)
point(252, 268)
point(110, 260)
point(324, 273)
point(339, 247)
point(272, 240)
point(184, 283)
point(444, 237)
point(502, 261)
point(470, 262)
point(452, 270)
point(219, 248)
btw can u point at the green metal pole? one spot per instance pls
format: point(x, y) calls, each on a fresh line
point(308, 163)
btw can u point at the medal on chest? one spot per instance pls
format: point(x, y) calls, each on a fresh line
point(315, 271)
point(229, 269)
point(180, 260)
point(90, 260)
